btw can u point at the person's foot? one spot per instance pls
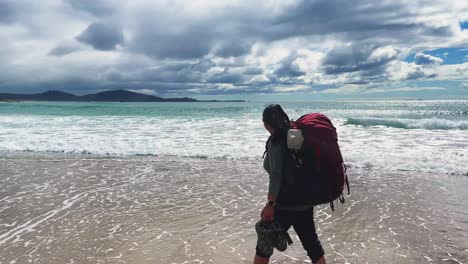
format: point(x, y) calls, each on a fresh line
point(321, 261)
point(261, 260)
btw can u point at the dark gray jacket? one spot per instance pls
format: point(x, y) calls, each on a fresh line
point(275, 163)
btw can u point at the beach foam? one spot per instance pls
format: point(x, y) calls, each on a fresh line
point(430, 123)
point(391, 136)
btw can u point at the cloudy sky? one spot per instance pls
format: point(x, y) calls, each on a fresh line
point(290, 49)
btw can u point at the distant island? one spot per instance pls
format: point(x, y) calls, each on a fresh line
point(107, 96)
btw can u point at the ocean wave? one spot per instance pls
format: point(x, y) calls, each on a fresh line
point(428, 123)
point(4, 153)
point(235, 138)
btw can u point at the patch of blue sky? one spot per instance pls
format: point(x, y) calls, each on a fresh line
point(464, 25)
point(448, 55)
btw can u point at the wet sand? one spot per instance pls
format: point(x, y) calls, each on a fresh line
point(73, 209)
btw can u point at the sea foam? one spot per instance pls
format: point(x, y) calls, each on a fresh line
point(427, 123)
point(397, 136)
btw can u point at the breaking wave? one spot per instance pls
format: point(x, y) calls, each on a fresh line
point(429, 124)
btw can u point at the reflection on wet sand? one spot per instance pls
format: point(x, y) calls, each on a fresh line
point(68, 209)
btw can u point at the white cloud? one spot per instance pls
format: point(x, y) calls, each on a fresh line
point(271, 46)
point(452, 72)
point(421, 59)
point(145, 91)
point(383, 53)
point(290, 88)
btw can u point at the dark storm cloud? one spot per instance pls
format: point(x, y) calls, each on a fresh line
point(102, 36)
point(227, 77)
point(233, 49)
point(202, 66)
point(177, 72)
point(18, 12)
point(361, 82)
point(173, 46)
point(168, 74)
point(7, 11)
point(64, 49)
point(253, 71)
point(357, 58)
point(165, 35)
point(76, 85)
point(193, 41)
point(353, 20)
point(360, 23)
point(440, 31)
point(287, 68)
point(95, 7)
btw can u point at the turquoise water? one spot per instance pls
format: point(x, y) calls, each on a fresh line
point(452, 110)
point(128, 109)
point(392, 135)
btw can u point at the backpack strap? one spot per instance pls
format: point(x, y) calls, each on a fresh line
point(266, 147)
point(296, 157)
point(346, 178)
point(341, 198)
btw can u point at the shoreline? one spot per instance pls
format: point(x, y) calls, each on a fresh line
point(149, 157)
point(177, 210)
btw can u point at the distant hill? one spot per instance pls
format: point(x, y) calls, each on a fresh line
point(121, 96)
point(55, 96)
point(107, 96)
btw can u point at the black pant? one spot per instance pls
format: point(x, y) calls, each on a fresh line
point(303, 224)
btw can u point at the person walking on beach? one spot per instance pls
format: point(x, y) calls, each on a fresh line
point(299, 216)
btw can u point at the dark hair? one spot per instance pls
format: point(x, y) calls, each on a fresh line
point(274, 116)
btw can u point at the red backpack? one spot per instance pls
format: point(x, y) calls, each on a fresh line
point(320, 174)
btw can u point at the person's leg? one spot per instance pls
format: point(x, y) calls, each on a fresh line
point(284, 218)
point(262, 251)
point(305, 228)
point(260, 260)
point(321, 261)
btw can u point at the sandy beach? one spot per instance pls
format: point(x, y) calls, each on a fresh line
point(75, 209)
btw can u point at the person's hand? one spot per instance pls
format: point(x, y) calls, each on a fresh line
point(268, 213)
